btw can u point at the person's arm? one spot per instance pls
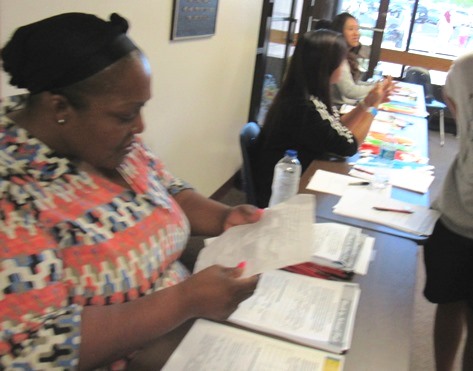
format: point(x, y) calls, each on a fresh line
point(348, 89)
point(450, 104)
point(359, 119)
point(114, 331)
point(210, 218)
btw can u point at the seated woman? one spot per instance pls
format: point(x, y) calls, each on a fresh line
point(349, 89)
point(92, 224)
point(302, 116)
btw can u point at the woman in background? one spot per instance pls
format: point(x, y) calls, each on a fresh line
point(302, 116)
point(349, 89)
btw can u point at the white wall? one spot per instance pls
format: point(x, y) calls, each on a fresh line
point(201, 87)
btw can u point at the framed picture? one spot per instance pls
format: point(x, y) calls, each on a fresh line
point(194, 18)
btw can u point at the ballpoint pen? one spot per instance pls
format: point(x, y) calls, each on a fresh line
point(393, 209)
point(363, 170)
point(359, 183)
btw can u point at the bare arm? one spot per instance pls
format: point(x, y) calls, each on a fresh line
point(210, 218)
point(114, 331)
point(359, 120)
point(450, 104)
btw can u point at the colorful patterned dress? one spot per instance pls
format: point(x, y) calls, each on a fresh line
point(70, 239)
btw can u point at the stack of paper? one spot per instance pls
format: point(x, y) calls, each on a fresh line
point(214, 346)
point(338, 184)
point(376, 208)
point(343, 247)
point(416, 180)
point(311, 311)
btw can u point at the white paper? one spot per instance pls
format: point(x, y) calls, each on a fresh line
point(330, 241)
point(358, 203)
point(214, 346)
point(337, 184)
point(284, 236)
point(416, 180)
point(308, 310)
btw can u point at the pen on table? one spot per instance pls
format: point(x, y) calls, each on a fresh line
point(363, 170)
point(404, 211)
point(359, 183)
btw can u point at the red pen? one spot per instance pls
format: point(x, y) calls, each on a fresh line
point(404, 210)
point(363, 170)
point(337, 272)
point(300, 269)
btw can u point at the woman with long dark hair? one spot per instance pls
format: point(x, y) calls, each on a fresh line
point(349, 89)
point(302, 116)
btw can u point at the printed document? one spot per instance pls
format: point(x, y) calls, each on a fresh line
point(311, 311)
point(284, 236)
point(359, 203)
point(215, 346)
point(342, 246)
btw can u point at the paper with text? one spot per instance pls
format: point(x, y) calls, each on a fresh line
point(342, 246)
point(284, 236)
point(358, 203)
point(215, 346)
point(308, 310)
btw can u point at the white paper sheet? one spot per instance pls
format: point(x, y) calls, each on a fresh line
point(416, 180)
point(284, 236)
point(330, 239)
point(358, 203)
point(338, 184)
point(215, 346)
point(308, 310)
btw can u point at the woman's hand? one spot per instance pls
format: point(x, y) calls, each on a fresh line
point(215, 292)
point(242, 214)
point(380, 92)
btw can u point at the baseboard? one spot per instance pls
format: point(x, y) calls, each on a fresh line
point(225, 188)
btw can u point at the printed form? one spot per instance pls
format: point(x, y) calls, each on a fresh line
point(284, 236)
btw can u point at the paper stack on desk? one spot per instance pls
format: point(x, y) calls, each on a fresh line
point(416, 180)
point(342, 246)
point(215, 346)
point(362, 204)
point(311, 311)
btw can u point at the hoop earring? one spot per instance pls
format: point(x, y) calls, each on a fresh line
point(61, 121)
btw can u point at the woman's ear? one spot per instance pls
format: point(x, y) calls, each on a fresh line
point(60, 106)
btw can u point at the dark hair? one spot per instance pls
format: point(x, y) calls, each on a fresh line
point(317, 55)
point(338, 24)
point(323, 23)
point(64, 49)
point(80, 93)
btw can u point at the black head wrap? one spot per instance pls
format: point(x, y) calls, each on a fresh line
point(59, 51)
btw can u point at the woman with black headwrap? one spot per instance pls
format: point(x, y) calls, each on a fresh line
point(91, 223)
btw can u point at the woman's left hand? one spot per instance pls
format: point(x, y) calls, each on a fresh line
point(242, 214)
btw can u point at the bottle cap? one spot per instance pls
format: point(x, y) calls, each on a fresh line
point(291, 153)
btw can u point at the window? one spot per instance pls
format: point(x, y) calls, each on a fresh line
point(442, 28)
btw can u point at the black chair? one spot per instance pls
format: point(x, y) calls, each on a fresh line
point(248, 135)
point(421, 76)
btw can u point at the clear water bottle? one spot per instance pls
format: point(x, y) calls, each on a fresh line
point(287, 173)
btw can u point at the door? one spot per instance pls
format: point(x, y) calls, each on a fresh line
point(279, 24)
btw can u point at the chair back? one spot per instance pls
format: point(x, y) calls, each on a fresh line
point(248, 135)
point(420, 76)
